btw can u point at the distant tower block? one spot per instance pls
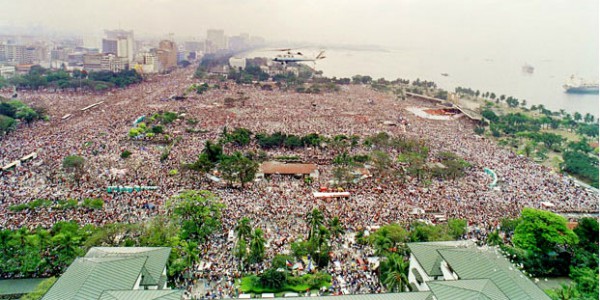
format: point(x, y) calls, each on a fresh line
point(453, 98)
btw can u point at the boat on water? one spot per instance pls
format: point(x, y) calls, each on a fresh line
point(445, 74)
point(578, 85)
point(526, 68)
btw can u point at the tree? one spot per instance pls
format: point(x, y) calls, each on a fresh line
point(587, 232)
point(388, 239)
point(192, 254)
point(257, 246)
point(545, 242)
point(542, 231)
point(457, 227)
point(381, 161)
point(272, 279)
point(74, 164)
point(198, 212)
point(7, 124)
point(577, 116)
point(335, 227)
point(240, 251)
point(394, 273)
point(243, 231)
point(238, 167)
point(239, 136)
point(494, 239)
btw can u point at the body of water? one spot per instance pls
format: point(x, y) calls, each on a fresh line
point(484, 45)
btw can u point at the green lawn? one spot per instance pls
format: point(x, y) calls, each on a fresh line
point(247, 285)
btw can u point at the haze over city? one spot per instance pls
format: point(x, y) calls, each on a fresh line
point(250, 149)
point(381, 22)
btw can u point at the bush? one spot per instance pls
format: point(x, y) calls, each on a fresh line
point(7, 124)
point(168, 117)
point(134, 132)
point(173, 172)
point(40, 290)
point(479, 130)
point(125, 154)
point(67, 204)
point(93, 203)
point(18, 207)
point(157, 129)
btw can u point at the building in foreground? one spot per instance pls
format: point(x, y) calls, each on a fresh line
point(116, 273)
point(461, 270)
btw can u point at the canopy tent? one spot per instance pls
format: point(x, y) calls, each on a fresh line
point(493, 175)
point(547, 204)
point(130, 189)
point(139, 120)
point(331, 195)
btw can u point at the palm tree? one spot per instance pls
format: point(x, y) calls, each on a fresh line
point(243, 229)
point(394, 273)
point(335, 227)
point(192, 254)
point(257, 246)
point(314, 219)
point(243, 232)
point(577, 116)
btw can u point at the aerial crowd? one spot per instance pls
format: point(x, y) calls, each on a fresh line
point(278, 205)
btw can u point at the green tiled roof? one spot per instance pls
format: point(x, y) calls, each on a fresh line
point(153, 269)
point(466, 290)
point(428, 257)
point(87, 278)
point(18, 286)
point(475, 263)
point(387, 296)
point(142, 295)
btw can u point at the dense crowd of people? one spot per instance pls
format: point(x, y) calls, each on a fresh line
point(278, 205)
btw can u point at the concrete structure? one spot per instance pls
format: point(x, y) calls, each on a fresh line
point(461, 270)
point(193, 46)
point(125, 42)
point(239, 42)
point(215, 40)
point(167, 56)
point(7, 71)
point(146, 62)
point(237, 63)
point(15, 53)
point(116, 273)
point(92, 62)
point(109, 46)
point(104, 62)
point(279, 168)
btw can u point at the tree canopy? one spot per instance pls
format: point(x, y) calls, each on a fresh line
point(198, 212)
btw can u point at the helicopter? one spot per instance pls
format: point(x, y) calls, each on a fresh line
point(291, 57)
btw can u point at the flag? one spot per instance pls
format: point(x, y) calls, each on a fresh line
point(288, 263)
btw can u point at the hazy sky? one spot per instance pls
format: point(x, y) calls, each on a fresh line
point(381, 22)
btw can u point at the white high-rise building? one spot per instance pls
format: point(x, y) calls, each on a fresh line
point(125, 42)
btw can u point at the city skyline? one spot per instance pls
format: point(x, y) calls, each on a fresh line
point(384, 22)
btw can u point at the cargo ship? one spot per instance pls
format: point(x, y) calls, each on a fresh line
point(578, 85)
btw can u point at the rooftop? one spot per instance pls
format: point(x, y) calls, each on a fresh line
point(273, 167)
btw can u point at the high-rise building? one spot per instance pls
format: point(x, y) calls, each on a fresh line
point(238, 42)
point(167, 56)
point(110, 46)
point(15, 53)
point(2, 52)
point(125, 44)
point(215, 40)
point(193, 46)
